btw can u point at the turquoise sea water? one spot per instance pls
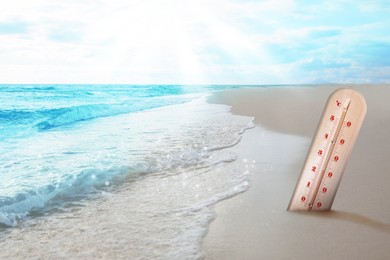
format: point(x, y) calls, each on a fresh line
point(114, 170)
point(28, 109)
point(60, 143)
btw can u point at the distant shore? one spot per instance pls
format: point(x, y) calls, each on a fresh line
point(256, 225)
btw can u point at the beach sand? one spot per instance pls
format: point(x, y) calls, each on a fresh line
point(256, 224)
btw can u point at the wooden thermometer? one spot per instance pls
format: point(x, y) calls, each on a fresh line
point(331, 147)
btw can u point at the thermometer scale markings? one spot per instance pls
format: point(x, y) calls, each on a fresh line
point(332, 146)
point(330, 149)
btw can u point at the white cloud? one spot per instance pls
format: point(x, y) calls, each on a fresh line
point(174, 41)
point(154, 38)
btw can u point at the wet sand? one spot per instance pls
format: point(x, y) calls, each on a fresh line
point(256, 224)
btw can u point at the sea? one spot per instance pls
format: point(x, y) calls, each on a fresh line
point(113, 171)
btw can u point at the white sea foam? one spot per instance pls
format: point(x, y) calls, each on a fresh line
point(165, 168)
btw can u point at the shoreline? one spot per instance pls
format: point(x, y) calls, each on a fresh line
point(177, 166)
point(256, 224)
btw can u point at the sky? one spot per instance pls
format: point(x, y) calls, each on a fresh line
point(194, 41)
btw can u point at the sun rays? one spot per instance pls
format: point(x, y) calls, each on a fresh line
point(192, 42)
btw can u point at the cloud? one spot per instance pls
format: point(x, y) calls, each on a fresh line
point(66, 33)
point(194, 42)
point(320, 64)
point(323, 33)
point(370, 53)
point(372, 6)
point(15, 27)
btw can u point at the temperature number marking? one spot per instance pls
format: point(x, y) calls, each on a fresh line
point(337, 132)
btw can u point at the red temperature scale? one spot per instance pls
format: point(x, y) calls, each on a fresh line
point(331, 147)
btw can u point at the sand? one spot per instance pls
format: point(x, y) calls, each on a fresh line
point(256, 224)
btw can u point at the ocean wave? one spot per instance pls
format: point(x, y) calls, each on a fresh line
point(75, 187)
point(65, 116)
point(42, 88)
point(45, 119)
point(16, 116)
point(49, 171)
point(61, 192)
point(27, 88)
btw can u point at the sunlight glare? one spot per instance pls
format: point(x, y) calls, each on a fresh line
point(173, 40)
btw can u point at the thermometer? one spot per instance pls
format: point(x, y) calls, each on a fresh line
point(331, 147)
